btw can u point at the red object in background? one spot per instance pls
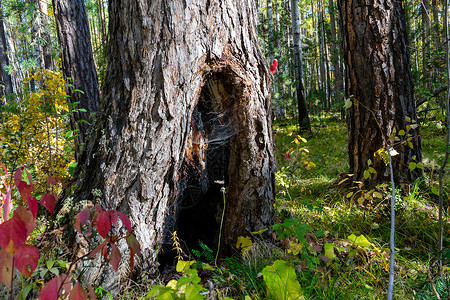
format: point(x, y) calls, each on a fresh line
point(274, 66)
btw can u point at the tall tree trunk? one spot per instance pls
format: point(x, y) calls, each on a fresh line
point(270, 23)
point(186, 115)
point(379, 81)
point(425, 8)
point(77, 61)
point(324, 67)
point(303, 117)
point(44, 42)
point(4, 76)
point(336, 55)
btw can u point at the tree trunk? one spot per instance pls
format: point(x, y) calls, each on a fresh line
point(379, 81)
point(44, 42)
point(270, 23)
point(425, 9)
point(186, 114)
point(7, 86)
point(303, 117)
point(77, 61)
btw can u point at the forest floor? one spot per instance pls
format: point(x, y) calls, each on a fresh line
point(311, 196)
point(337, 240)
point(331, 242)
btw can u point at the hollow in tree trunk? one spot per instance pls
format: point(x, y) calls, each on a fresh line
point(186, 115)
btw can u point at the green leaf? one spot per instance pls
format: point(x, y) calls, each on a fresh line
point(401, 132)
point(318, 233)
point(329, 251)
point(414, 126)
point(377, 195)
point(408, 119)
point(72, 167)
point(372, 170)
point(243, 242)
point(412, 165)
point(348, 103)
point(435, 190)
point(281, 281)
point(366, 174)
point(182, 265)
point(420, 166)
point(359, 241)
point(192, 292)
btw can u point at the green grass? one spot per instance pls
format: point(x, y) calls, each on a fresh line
point(306, 194)
point(356, 272)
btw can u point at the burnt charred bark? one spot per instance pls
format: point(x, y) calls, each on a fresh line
point(186, 81)
point(77, 62)
point(379, 82)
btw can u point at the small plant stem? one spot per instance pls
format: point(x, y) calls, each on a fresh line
point(392, 235)
point(447, 143)
point(12, 280)
point(432, 285)
point(221, 224)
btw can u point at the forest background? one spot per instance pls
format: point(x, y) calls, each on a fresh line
point(334, 238)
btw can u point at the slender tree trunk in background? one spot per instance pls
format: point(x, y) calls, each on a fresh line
point(77, 61)
point(303, 117)
point(336, 55)
point(45, 55)
point(101, 20)
point(186, 112)
point(378, 78)
point(324, 57)
point(425, 9)
point(270, 23)
point(436, 24)
point(6, 82)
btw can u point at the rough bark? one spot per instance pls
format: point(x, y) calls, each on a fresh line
point(77, 61)
point(303, 117)
point(7, 86)
point(172, 66)
point(379, 81)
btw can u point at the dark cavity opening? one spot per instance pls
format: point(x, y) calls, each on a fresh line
point(204, 172)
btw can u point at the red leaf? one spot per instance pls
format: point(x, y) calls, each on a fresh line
point(78, 293)
point(81, 219)
point(6, 267)
point(33, 206)
point(91, 291)
point(51, 289)
point(18, 176)
point(30, 179)
point(113, 215)
point(26, 259)
point(14, 232)
point(7, 203)
point(4, 168)
point(25, 190)
point(133, 244)
point(98, 248)
point(51, 180)
point(125, 221)
point(287, 156)
point(274, 66)
point(115, 257)
point(103, 223)
point(105, 252)
point(49, 202)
